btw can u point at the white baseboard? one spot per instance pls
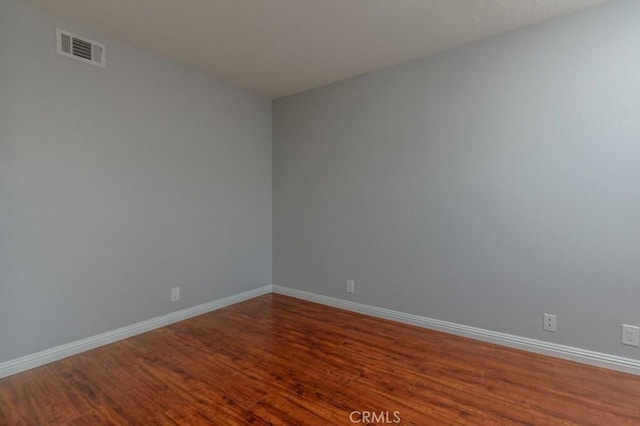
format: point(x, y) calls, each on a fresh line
point(598, 359)
point(27, 362)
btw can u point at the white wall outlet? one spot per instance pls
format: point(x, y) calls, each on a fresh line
point(550, 323)
point(350, 286)
point(175, 294)
point(630, 335)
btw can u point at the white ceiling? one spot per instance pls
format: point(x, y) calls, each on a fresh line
point(279, 47)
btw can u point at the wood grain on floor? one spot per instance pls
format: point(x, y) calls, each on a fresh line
point(283, 361)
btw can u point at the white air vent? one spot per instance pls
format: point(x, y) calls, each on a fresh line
point(80, 48)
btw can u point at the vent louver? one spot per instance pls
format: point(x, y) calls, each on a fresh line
point(80, 48)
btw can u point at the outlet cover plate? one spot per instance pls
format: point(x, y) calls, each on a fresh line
point(630, 335)
point(350, 286)
point(175, 294)
point(550, 323)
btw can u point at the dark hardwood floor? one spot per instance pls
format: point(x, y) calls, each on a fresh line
point(279, 360)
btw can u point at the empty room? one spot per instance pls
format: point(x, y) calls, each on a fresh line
point(317, 212)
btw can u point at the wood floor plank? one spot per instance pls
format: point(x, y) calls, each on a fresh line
point(283, 361)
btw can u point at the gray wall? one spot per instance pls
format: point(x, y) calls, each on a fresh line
point(119, 183)
point(484, 186)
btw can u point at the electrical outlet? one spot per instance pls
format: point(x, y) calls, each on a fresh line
point(550, 323)
point(630, 335)
point(175, 294)
point(350, 286)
